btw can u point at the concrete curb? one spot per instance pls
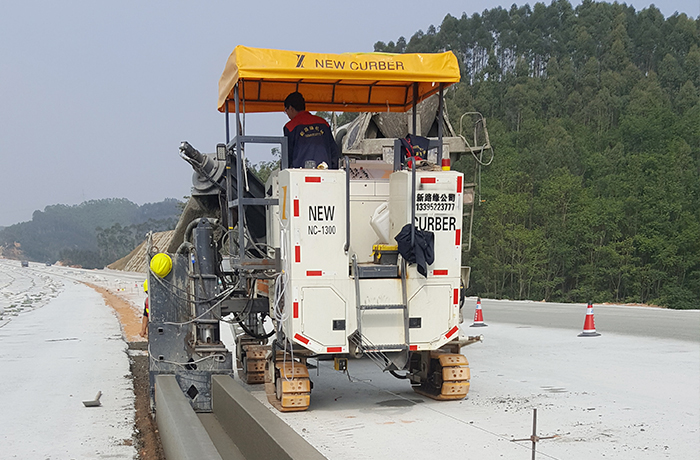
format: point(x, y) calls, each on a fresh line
point(258, 433)
point(181, 432)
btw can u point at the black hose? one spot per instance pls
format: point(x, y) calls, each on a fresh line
point(245, 327)
point(399, 376)
point(253, 334)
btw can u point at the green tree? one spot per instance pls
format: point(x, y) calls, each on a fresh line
point(593, 113)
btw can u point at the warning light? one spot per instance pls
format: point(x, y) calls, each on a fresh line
point(445, 164)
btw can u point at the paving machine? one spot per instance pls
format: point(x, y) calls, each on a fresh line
point(307, 265)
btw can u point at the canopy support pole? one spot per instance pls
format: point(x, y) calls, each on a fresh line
point(239, 174)
point(441, 107)
point(347, 206)
point(415, 105)
point(228, 134)
point(229, 213)
point(413, 167)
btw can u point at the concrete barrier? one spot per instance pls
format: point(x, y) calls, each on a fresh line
point(181, 432)
point(257, 432)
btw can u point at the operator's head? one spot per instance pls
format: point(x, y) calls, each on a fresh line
point(294, 104)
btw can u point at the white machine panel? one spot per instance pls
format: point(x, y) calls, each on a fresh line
point(312, 209)
point(365, 197)
point(434, 299)
point(319, 308)
point(320, 294)
point(433, 320)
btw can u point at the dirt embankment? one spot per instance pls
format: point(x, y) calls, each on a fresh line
point(129, 316)
point(147, 438)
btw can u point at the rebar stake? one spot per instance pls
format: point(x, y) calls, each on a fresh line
point(534, 438)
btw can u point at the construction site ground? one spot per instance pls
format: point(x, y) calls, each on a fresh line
point(631, 393)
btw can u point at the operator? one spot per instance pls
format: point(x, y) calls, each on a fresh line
point(144, 320)
point(308, 136)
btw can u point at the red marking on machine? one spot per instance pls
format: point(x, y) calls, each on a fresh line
point(314, 272)
point(296, 310)
point(427, 180)
point(455, 297)
point(440, 272)
point(458, 237)
point(452, 331)
point(296, 208)
point(312, 179)
point(334, 349)
point(301, 339)
point(297, 254)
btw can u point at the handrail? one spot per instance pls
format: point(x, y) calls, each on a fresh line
point(413, 202)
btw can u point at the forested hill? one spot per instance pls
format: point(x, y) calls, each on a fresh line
point(92, 234)
point(594, 193)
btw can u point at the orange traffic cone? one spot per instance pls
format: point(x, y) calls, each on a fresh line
point(589, 325)
point(478, 315)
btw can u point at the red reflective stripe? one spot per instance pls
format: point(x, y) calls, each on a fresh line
point(459, 184)
point(312, 179)
point(302, 339)
point(314, 272)
point(452, 331)
point(334, 349)
point(455, 300)
point(296, 208)
point(296, 310)
point(413, 347)
point(439, 272)
point(297, 254)
point(458, 237)
point(427, 180)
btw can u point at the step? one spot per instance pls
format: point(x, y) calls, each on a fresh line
point(371, 271)
point(383, 307)
point(387, 347)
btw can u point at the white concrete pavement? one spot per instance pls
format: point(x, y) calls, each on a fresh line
point(639, 321)
point(53, 357)
point(618, 396)
point(628, 394)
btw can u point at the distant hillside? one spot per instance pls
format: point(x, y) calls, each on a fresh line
point(594, 116)
point(92, 234)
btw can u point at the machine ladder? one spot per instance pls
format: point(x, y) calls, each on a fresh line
point(388, 356)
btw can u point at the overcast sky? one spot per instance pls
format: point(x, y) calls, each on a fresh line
point(95, 97)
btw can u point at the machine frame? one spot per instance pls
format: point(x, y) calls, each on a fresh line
point(255, 274)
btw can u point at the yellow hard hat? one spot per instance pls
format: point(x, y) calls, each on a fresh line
point(161, 264)
point(145, 286)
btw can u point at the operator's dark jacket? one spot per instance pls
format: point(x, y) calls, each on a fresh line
point(309, 138)
point(422, 252)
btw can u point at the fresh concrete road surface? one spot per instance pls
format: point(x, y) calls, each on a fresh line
point(632, 393)
point(59, 345)
point(630, 320)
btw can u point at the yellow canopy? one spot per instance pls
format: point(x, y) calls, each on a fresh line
point(363, 82)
